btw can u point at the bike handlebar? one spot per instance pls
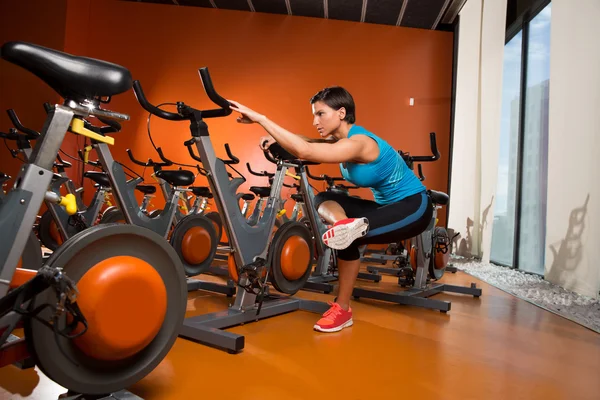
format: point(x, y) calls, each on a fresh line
point(162, 156)
point(434, 151)
point(94, 163)
point(209, 88)
point(269, 157)
point(323, 177)
point(420, 170)
point(148, 163)
point(232, 159)
point(11, 135)
point(262, 173)
point(185, 112)
point(29, 133)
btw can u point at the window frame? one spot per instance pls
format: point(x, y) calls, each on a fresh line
point(521, 24)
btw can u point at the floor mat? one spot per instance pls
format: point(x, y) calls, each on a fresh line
point(581, 309)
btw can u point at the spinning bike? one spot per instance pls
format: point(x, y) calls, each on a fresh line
point(85, 325)
point(325, 270)
point(400, 253)
point(287, 256)
point(429, 255)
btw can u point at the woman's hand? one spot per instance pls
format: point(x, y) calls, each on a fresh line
point(248, 116)
point(265, 142)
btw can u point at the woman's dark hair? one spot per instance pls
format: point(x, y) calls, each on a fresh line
point(337, 97)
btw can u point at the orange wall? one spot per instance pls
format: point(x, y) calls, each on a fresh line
point(274, 64)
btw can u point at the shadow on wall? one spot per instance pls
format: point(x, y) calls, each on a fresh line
point(484, 223)
point(568, 256)
point(466, 244)
point(465, 248)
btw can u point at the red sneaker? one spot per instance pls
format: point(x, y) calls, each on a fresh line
point(335, 319)
point(344, 232)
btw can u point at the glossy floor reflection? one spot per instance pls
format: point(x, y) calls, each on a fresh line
point(495, 347)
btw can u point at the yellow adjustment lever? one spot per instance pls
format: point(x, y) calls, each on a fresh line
point(69, 203)
point(78, 127)
point(86, 153)
point(182, 206)
point(296, 177)
point(282, 212)
point(107, 199)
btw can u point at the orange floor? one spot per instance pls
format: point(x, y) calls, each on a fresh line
point(495, 347)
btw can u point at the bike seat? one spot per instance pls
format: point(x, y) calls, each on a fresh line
point(202, 191)
point(146, 189)
point(71, 76)
point(436, 197)
point(99, 177)
point(247, 197)
point(261, 191)
point(178, 177)
point(298, 198)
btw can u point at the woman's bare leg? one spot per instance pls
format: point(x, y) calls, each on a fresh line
point(332, 212)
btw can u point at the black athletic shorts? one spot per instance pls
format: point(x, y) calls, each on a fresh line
point(388, 223)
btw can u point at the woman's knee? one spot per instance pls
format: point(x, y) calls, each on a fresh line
point(321, 198)
point(328, 206)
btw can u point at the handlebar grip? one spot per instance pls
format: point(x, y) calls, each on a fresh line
point(434, 151)
point(83, 158)
point(433, 144)
point(233, 159)
point(30, 133)
point(130, 154)
point(311, 176)
point(62, 163)
point(10, 136)
point(420, 170)
point(189, 144)
point(214, 96)
point(269, 157)
point(146, 105)
point(252, 172)
point(341, 185)
point(162, 156)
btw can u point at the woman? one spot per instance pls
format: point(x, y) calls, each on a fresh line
point(401, 208)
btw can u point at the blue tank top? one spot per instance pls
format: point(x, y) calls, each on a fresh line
point(388, 177)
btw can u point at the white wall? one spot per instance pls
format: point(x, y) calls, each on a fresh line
point(477, 124)
point(464, 148)
point(492, 65)
point(573, 216)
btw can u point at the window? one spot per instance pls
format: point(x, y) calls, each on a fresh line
point(520, 213)
point(503, 230)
